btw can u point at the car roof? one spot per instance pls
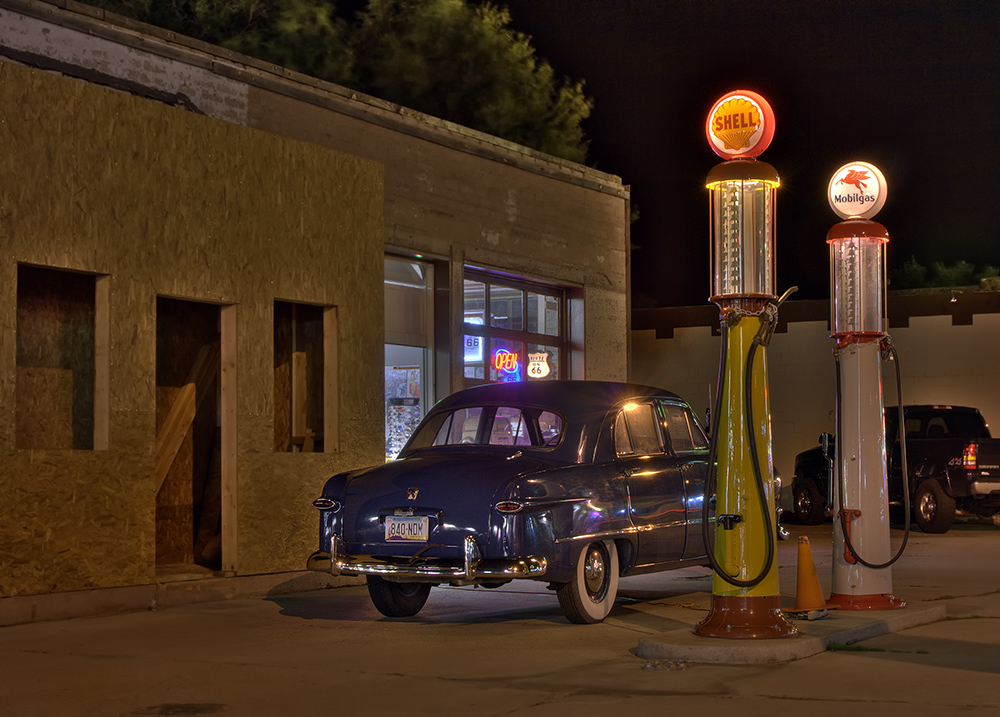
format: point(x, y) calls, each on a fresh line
point(584, 404)
point(563, 396)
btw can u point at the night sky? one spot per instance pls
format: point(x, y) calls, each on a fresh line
point(911, 86)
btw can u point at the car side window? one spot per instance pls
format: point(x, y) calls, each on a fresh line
point(685, 434)
point(509, 428)
point(550, 428)
point(635, 431)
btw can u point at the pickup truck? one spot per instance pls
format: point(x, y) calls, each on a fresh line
point(953, 463)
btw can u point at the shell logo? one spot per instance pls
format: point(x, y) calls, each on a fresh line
point(857, 191)
point(740, 125)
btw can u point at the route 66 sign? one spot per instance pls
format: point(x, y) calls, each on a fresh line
point(538, 365)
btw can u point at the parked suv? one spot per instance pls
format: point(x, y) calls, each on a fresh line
point(952, 463)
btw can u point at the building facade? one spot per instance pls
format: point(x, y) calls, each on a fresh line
point(225, 282)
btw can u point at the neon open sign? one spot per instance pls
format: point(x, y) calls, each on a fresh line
point(508, 362)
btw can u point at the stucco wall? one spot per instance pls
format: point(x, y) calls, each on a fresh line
point(163, 201)
point(502, 217)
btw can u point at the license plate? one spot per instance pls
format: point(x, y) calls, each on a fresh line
point(411, 528)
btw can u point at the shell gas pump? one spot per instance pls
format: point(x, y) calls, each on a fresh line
point(862, 579)
point(746, 602)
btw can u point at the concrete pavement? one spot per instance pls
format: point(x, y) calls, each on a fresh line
point(511, 652)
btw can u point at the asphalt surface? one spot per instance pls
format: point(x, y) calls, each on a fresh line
point(511, 652)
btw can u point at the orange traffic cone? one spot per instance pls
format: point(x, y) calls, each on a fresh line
point(809, 602)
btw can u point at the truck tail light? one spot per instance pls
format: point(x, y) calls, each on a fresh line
point(969, 456)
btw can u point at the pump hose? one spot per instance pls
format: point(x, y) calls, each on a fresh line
point(886, 347)
point(763, 337)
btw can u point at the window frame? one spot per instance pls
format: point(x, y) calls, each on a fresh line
point(487, 333)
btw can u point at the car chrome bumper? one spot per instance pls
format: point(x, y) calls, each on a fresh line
point(472, 566)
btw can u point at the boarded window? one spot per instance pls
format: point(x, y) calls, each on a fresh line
point(298, 377)
point(55, 359)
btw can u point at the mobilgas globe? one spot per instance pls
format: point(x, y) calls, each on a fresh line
point(857, 191)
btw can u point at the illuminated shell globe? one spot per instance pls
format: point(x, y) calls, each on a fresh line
point(740, 125)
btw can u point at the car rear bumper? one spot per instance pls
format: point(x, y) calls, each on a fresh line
point(471, 566)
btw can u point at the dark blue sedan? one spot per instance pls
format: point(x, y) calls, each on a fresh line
point(573, 483)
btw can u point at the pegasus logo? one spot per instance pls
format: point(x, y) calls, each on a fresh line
point(856, 178)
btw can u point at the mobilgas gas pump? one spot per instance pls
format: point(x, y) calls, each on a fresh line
point(745, 594)
point(862, 579)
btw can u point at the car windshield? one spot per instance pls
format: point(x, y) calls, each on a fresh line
point(491, 426)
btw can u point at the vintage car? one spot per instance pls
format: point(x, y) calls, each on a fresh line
point(573, 483)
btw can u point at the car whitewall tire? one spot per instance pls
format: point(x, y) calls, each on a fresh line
point(589, 597)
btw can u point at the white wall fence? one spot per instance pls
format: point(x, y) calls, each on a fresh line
point(948, 343)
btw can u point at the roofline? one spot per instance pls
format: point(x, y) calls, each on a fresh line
point(232, 65)
point(961, 303)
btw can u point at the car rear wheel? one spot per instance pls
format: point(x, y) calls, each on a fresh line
point(397, 599)
point(808, 501)
point(589, 597)
point(934, 510)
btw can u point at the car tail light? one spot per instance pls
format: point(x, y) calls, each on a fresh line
point(326, 504)
point(969, 456)
point(508, 506)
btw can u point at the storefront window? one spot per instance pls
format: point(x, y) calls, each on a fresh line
point(522, 338)
point(408, 348)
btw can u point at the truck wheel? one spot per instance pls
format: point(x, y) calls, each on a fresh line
point(808, 501)
point(934, 510)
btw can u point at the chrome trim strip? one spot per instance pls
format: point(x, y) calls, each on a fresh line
point(632, 530)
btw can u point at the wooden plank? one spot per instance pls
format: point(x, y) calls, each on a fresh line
point(300, 397)
point(183, 410)
point(331, 381)
point(102, 362)
point(228, 452)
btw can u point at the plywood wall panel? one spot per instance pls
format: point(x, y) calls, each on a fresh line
point(165, 202)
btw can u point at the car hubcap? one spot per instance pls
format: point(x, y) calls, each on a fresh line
point(928, 506)
point(595, 573)
point(804, 502)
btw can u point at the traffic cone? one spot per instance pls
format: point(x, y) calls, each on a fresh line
point(809, 602)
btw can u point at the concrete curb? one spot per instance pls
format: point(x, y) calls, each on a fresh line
point(20, 609)
point(814, 636)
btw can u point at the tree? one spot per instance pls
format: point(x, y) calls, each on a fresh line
point(914, 275)
point(446, 58)
point(464, 63)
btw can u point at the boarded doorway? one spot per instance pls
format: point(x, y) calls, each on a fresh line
point(188, 439)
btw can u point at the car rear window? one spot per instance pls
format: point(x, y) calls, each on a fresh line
point(489, 425)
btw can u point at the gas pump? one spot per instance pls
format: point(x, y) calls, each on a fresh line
point(746, 602)
point(862, 579)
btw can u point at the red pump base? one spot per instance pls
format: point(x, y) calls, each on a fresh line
point(746, 617)
point(875, 601)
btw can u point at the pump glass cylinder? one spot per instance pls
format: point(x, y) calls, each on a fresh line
point(742, 237)
point(857, 278)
